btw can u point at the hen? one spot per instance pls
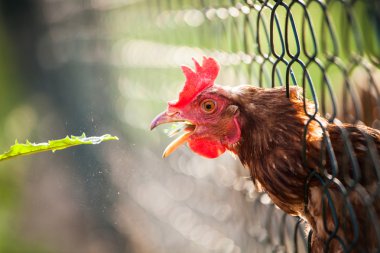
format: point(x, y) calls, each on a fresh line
point(291, 152)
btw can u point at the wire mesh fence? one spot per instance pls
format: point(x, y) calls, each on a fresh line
point(331, 50)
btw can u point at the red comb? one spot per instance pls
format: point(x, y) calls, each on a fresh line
point(203, 78)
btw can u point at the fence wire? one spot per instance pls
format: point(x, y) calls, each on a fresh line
point(330, 49)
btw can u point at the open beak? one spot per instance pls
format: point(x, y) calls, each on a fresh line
point(168, 117)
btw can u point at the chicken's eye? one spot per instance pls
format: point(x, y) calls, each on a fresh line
point(208, 106)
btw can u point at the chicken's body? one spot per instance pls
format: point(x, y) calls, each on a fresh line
point(291, 155)
point(272, 150)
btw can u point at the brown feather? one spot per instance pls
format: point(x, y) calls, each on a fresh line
point(274, 131)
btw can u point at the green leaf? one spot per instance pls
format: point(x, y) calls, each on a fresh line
point(19, 149)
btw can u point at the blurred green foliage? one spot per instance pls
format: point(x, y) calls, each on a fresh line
point(11, 177)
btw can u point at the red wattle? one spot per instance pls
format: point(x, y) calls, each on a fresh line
point(207, 148)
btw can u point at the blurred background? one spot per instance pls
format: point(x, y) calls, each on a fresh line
point(109, 66)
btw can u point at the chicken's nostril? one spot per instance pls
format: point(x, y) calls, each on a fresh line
point(172, 113)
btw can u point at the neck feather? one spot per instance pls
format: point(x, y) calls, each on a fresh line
point(272, 129)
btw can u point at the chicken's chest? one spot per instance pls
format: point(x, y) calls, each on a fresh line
point(274, 159)
point(280, 174)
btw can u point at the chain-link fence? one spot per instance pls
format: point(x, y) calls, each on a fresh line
point(330, 49)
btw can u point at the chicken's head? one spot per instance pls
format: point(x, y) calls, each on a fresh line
point(210, 116)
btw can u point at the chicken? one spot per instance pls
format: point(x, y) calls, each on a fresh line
point(293, 154)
